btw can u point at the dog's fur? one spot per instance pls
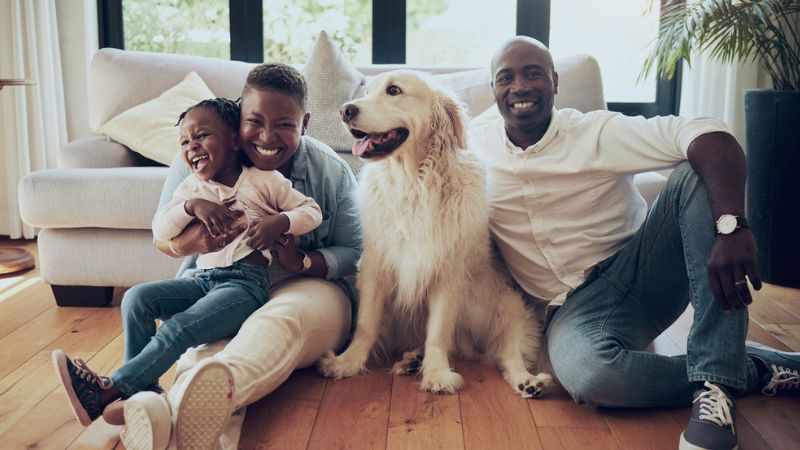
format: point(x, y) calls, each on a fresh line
point(428, 273)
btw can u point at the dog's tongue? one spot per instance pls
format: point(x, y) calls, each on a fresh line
point(368, 143)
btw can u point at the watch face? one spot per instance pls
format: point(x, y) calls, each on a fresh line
point(726, 224)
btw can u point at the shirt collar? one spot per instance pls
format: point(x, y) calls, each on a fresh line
point(549, 135)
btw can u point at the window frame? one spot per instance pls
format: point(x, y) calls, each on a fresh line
point(388, 41)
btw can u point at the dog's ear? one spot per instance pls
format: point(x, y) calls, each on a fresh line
point(449, 120)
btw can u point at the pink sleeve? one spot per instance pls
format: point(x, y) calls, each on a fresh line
point(303, 212)
point(170, 220)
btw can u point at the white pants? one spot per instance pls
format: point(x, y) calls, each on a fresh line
point(304, 317)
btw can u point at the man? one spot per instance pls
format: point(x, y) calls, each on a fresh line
point(572, 228)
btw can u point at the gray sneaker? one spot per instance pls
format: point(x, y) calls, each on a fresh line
point(711, 426)
point(784, 368)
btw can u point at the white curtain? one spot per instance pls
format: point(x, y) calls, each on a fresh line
point(32, 119)
point(717, 90)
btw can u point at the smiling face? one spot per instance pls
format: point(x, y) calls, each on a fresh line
point(209, 146)
point(396, 110)
point(272, 123)
point(524, 85)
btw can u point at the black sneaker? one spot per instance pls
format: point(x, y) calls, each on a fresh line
point(782, 369)
point(82, 385)
point(711, 426)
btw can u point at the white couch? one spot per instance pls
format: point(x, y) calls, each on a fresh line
point(95, 210)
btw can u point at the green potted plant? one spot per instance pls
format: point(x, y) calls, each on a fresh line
point(767, 32)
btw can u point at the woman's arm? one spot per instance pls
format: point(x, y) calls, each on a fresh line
point(344, 251)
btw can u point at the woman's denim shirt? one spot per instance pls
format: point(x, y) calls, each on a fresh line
point(318, 172)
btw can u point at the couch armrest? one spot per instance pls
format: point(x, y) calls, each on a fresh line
point(94, 152)
point(121, 197)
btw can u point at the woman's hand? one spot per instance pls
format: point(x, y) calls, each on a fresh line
point(217, 218)
point(264, 231)
point(196, 238)
point(288, 257)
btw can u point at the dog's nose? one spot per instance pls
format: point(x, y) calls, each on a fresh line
point(348, 111)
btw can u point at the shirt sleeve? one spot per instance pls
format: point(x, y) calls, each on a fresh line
point(170, 220)
point(303, 212)
point(342, 254)
point(176, 174)
point(636, 144)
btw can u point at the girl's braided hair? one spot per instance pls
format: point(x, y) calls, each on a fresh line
point(228, 110)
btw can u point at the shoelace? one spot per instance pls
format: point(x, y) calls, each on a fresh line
point(715, 406)
point(782, 378)
point(83, 371)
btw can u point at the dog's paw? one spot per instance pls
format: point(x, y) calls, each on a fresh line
point(443, 381)
point(532, 386)
point(338, 367)
point(411, 364)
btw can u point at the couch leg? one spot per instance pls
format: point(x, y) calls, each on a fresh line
point(87, 296)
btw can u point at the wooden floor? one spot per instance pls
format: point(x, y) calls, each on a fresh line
point(376, 411)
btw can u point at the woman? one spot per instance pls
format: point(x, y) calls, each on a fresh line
point(306, 315)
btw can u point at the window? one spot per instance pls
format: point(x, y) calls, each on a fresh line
point(290, 27)
point(618, 42)
point(457, 33)
point(418, 32)
point(177, 26)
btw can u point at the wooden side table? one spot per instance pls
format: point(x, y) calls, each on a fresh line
point(15, 259)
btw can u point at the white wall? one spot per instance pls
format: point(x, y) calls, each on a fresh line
point(77, 31)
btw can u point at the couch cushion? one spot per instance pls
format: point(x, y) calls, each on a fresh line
point(107, 198)
point(122, 79)
point(332, 82)
point(99, 152)
point(149, 128)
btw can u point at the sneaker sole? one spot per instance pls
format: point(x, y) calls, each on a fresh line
point(685, 445)
point(206, 407)
point(144, 430)
point(60, 365)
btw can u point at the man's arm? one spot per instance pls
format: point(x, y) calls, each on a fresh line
point(720, 163)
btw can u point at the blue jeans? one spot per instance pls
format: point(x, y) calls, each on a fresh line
point(206, 308)
point(596, 339)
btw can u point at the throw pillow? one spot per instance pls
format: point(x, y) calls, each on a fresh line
point(332, 81)
point(149, 128)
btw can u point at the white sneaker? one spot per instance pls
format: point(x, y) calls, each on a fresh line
point(205, 408)
point(148, 422)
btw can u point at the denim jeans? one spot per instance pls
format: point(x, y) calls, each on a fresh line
point(596, 339)
point(208, 307)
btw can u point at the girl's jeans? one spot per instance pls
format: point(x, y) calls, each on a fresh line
point(596, 339)
point(208, 307)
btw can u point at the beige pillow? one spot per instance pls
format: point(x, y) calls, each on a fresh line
point(149, 128)
point(332, 82)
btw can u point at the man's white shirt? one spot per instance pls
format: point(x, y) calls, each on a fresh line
point(567, 202)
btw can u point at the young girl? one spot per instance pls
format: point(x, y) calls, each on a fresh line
point(230, 283)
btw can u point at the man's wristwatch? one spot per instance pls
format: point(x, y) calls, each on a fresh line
point(306, 262)
point(728, 223)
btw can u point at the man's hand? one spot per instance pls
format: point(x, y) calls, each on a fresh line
point(265, 230)
point(196, 238)
point(217, 218)
point(732, 258)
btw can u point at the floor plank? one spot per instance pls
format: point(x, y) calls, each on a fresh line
point(645, 428)
point(493, 416)
point(421, 420)
point(578, 439)
point(557, 409)
point(354, 413)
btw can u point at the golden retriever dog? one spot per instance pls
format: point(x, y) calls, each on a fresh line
point(429, 280)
